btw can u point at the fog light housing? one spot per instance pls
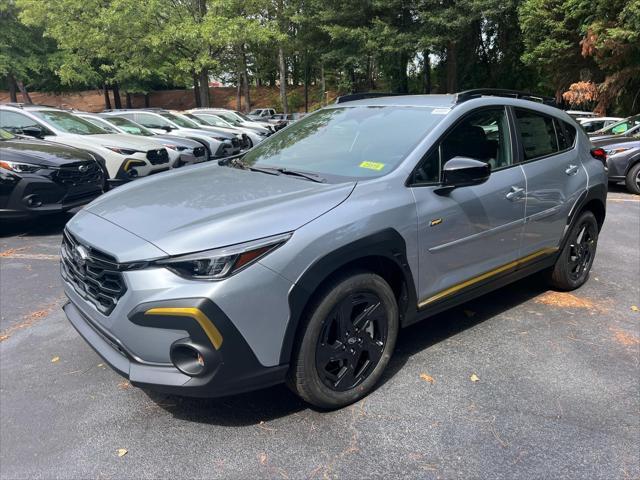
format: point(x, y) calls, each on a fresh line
point(187, 358)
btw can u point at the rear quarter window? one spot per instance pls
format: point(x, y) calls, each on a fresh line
point(537, 133)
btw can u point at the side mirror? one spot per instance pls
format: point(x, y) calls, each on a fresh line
point(166, 128)
point(463, 171)
point(33, 131)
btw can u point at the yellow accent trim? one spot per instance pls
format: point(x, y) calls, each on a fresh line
point(205, 323)
point(489, 274)
point(435, 222)
point(128, 163)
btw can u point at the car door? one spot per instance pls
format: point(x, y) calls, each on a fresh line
point(467, 234)
point(554, 174)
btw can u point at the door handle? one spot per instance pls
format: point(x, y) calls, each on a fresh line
point(571, 169)
point(516, 193)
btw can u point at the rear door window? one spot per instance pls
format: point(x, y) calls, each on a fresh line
point(537, 134)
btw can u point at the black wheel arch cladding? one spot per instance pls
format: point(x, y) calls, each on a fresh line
point(387, 246)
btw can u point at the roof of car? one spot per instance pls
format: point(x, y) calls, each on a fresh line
point(447, 100)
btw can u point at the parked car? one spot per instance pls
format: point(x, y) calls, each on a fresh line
point(250, 136)
point(126, 157)
point(217, 146)
point(592, 124)
point(624, 128)
point(38, 177)
point(282, 120)
point(182, 151)
point(301, 260)
point(623, 160)
point(261, 113)
point(230, 135)
point(580, 114)
point(236, 120)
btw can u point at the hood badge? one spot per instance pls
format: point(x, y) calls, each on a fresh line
point(80, 255)
point(83, 168)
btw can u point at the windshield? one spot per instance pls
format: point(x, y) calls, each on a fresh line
point(229, 118)
point(213, 120)
point(621, 126)
point(102, 124)
point(131, 127)
point(69, 123)
point(353, 142)
point(243, 116)
point(180, 120)
point(4, 135)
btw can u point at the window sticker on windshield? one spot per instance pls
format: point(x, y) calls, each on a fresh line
point(372, 166)
point(440, 111)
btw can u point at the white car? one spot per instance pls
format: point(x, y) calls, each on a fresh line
point(580, 114)
point(235, 119)
point(156, 120)
point(125, 157)
point(592, 124)
point(254, 136)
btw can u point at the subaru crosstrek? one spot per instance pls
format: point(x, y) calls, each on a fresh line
point(300, 260)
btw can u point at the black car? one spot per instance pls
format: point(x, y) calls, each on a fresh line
point(623, 160)
point(38, 177)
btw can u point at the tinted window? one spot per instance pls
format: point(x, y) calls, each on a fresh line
point(355, 142)
point(566, 134)
point(538, 134)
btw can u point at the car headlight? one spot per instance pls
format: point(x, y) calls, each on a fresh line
point(223, 262)
point(124, 151)
point(615, 151)
point(18, 167)
point(171, 146)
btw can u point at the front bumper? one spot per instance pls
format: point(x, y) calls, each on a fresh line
point(230, 369)
point(33, 195)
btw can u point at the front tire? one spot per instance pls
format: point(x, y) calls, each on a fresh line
point(632, 180)
point(576, 258)
point(346, 341)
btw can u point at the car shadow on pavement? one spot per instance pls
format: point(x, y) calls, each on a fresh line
point(35, 227)
point(264, 405)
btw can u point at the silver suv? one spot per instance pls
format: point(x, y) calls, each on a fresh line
point(300, 260)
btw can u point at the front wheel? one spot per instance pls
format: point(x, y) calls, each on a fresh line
point(576, 258)
point(632, 180)
point(347, 341)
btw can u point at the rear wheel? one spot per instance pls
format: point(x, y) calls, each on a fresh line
point(347, 341)
point(576, 258)
point(632, 180)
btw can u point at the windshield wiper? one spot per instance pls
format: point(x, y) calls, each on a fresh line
point(309, 176)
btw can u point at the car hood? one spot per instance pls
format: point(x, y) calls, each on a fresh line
point(209, 206)
point(615, 140)
point(39, 152)
point(124, 140)
point(176, 140)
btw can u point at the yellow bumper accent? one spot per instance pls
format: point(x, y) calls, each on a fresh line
point(486, 275)
point(205, 323)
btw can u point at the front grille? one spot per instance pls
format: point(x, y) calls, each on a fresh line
point(80, 173)
point(158, 157)
point(93, 274)
point(199, 152)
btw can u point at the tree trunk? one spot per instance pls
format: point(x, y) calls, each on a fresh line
point(13, 89)
point(322, 85)
point(204, 88)
point(306, 83)
point(147, 100)
point(128, 99)
point(239, 93)
point(245, 80)
point(196, 90)
point(283, 80)
point(117, 101)
point(426, 72)
point(452, 67)
point(25, 95)
point(107, 100)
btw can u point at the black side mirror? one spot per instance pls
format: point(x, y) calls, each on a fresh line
point(33, 131)
point(463, 171)
point(166, 128)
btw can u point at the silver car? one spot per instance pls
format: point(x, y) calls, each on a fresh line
point(300, 261)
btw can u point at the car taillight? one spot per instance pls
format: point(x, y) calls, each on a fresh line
point(599, 154)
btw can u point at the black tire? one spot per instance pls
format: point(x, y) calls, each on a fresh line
point(572, 267)
point(359, 358)
point(632, 180)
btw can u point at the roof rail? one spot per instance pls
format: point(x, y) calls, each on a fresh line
point(499, 92)
point(364, 95)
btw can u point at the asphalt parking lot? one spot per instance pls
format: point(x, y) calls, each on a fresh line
point(523, 383)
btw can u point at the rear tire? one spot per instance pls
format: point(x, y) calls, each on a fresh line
point(572, 267)
point(346, 341)
point(632, 180)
